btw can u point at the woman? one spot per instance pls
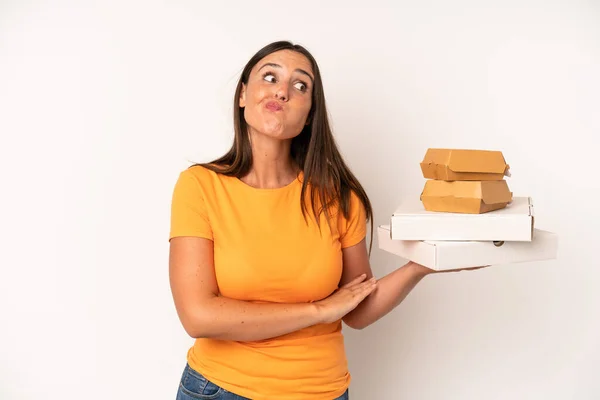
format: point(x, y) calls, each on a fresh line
point(267, 247)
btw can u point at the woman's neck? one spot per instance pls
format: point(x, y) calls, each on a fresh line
point(272, 164)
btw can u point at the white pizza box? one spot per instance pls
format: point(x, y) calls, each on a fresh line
point(446, 255)
point(515, 222)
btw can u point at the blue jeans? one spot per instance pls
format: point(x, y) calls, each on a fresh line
point(194, 386)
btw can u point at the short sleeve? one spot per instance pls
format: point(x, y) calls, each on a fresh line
point(189, 215)
point(354, 228)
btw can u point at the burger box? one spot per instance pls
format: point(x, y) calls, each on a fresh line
point(515, 222)
point(467, 197)
point(445, 255)
point(464, 165)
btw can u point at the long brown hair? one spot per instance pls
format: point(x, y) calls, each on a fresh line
point(314, 150)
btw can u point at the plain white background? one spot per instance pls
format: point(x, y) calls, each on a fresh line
point(103, 103)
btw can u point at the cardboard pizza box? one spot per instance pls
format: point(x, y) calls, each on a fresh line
point(515, 222)
point(448, 255)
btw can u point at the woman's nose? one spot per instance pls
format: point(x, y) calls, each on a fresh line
point(281, 92)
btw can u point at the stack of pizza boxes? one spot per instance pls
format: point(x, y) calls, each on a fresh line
point(466, 216)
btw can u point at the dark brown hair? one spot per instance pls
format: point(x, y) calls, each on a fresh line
point(314, 150)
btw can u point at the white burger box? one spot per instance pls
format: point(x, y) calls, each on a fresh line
point(447, 255)
point(514, 223)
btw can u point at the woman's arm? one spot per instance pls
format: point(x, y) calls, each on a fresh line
point(204, 313)
point(391, 289)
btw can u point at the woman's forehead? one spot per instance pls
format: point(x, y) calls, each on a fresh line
point(287, 59)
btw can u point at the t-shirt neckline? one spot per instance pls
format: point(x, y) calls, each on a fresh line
point(293, 183)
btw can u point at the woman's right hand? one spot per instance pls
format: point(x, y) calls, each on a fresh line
point(345, 299)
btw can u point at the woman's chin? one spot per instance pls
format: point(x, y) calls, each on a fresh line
point(275, 132)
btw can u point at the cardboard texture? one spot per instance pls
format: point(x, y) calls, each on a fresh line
point(443, 255)
point(469, 197)
point(515, 222)
point(464, 165)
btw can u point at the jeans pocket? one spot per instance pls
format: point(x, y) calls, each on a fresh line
point(195, 386)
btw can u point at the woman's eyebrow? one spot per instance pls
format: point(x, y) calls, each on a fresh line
point(296, 70)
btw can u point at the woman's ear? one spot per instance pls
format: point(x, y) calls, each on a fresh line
point(242, 98)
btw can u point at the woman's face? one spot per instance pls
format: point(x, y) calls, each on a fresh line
point(277, 97)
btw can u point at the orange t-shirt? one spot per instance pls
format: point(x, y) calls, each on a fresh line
point(265, 251)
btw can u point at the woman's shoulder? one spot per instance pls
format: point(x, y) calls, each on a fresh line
point(200, 176)
point(202, 172)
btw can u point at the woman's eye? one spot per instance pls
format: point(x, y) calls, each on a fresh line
point(269, 77)
point(300, 86)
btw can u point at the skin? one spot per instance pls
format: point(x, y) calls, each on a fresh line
point(285, 78)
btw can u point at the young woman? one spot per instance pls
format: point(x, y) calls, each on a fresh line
point(267, 247)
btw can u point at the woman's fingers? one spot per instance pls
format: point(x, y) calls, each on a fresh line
point(361, 285)
point(366, 290)
point(355, 281)
point(366, 286)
